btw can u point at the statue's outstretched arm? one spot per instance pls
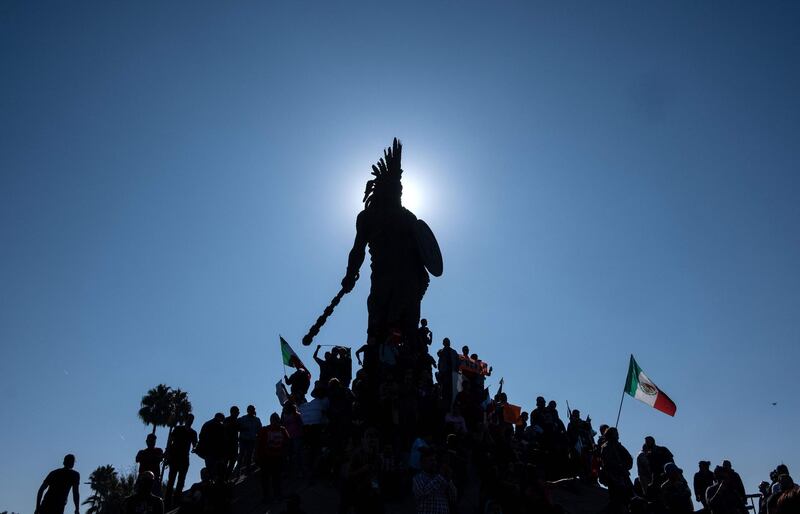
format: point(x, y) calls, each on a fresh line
point(356, 257)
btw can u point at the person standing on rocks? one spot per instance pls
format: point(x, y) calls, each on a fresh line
point(249, 425)
point(181, 442)
point(150, 459)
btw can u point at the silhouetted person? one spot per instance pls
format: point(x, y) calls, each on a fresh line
point(722, 497)
point(657, 457)
point(299, 382)
point(249, 425)
point(644, 472)
point(292, 421)
point(433, 492)
point(552, 408)
point(447, 371)
point(271, 449)
point(703, 479)
point(143, 500)
point(208, 496)
point(424, 364)
point(521, 425)
point(542, 417)
point(479, 377)
point(211, 447)
point(788, 502)
point(581, 439)
point(736, 480)
point(675, 494)
point(615, 471)
point(343, 365)
point(763, 489)
point(150, 459)
point(424, 336)
point(784, 500)
point(340, 412)
point(781, 469)
point(325, 365)
point(602, 437)
point(181, 442)
point(231, 424)
point(58, 483)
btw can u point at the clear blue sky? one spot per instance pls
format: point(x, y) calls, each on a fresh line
point(179, 184)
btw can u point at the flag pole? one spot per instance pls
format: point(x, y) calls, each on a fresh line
point(620, 408)
point(280, 344)
point(624, 389)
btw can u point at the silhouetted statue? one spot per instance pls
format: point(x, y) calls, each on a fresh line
point(401, 249)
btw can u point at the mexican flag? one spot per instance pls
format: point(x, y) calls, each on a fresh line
point(289, 357)
point(644, 390)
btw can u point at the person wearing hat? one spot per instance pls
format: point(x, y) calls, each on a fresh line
point(735, 480)
point(702, 481)
point(675, 492)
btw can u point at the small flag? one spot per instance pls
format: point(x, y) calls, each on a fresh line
point(512, 413)
point(280, 392)
point(644, 390)
point(289, 357)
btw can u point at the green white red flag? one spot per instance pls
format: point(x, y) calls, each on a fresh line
point(644, 390)
point(290, 358)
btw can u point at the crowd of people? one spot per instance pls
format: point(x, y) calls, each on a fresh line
point(412, 424)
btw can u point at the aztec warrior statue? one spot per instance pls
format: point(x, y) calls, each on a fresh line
point(403, 251)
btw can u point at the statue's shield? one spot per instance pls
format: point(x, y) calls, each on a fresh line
point(428, 248)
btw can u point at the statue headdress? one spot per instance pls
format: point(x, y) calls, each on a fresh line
point(387, 173)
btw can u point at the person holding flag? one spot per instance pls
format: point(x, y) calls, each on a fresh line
point(300, 380)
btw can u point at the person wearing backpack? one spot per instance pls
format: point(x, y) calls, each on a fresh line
point(615, 471)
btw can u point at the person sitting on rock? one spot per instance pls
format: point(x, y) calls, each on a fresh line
point(143, 499)
point(675, 494)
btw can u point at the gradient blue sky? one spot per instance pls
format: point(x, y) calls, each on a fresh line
point(179, 184)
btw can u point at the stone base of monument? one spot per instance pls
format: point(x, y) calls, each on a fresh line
point(577, 497)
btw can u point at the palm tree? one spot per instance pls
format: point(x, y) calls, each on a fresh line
point(127, 485)
point(104, 483)
point(180, 407)
point(156, 406)
point(109, 490)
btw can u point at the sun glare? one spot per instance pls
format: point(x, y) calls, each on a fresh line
point(413, 194)
point(418, 197)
